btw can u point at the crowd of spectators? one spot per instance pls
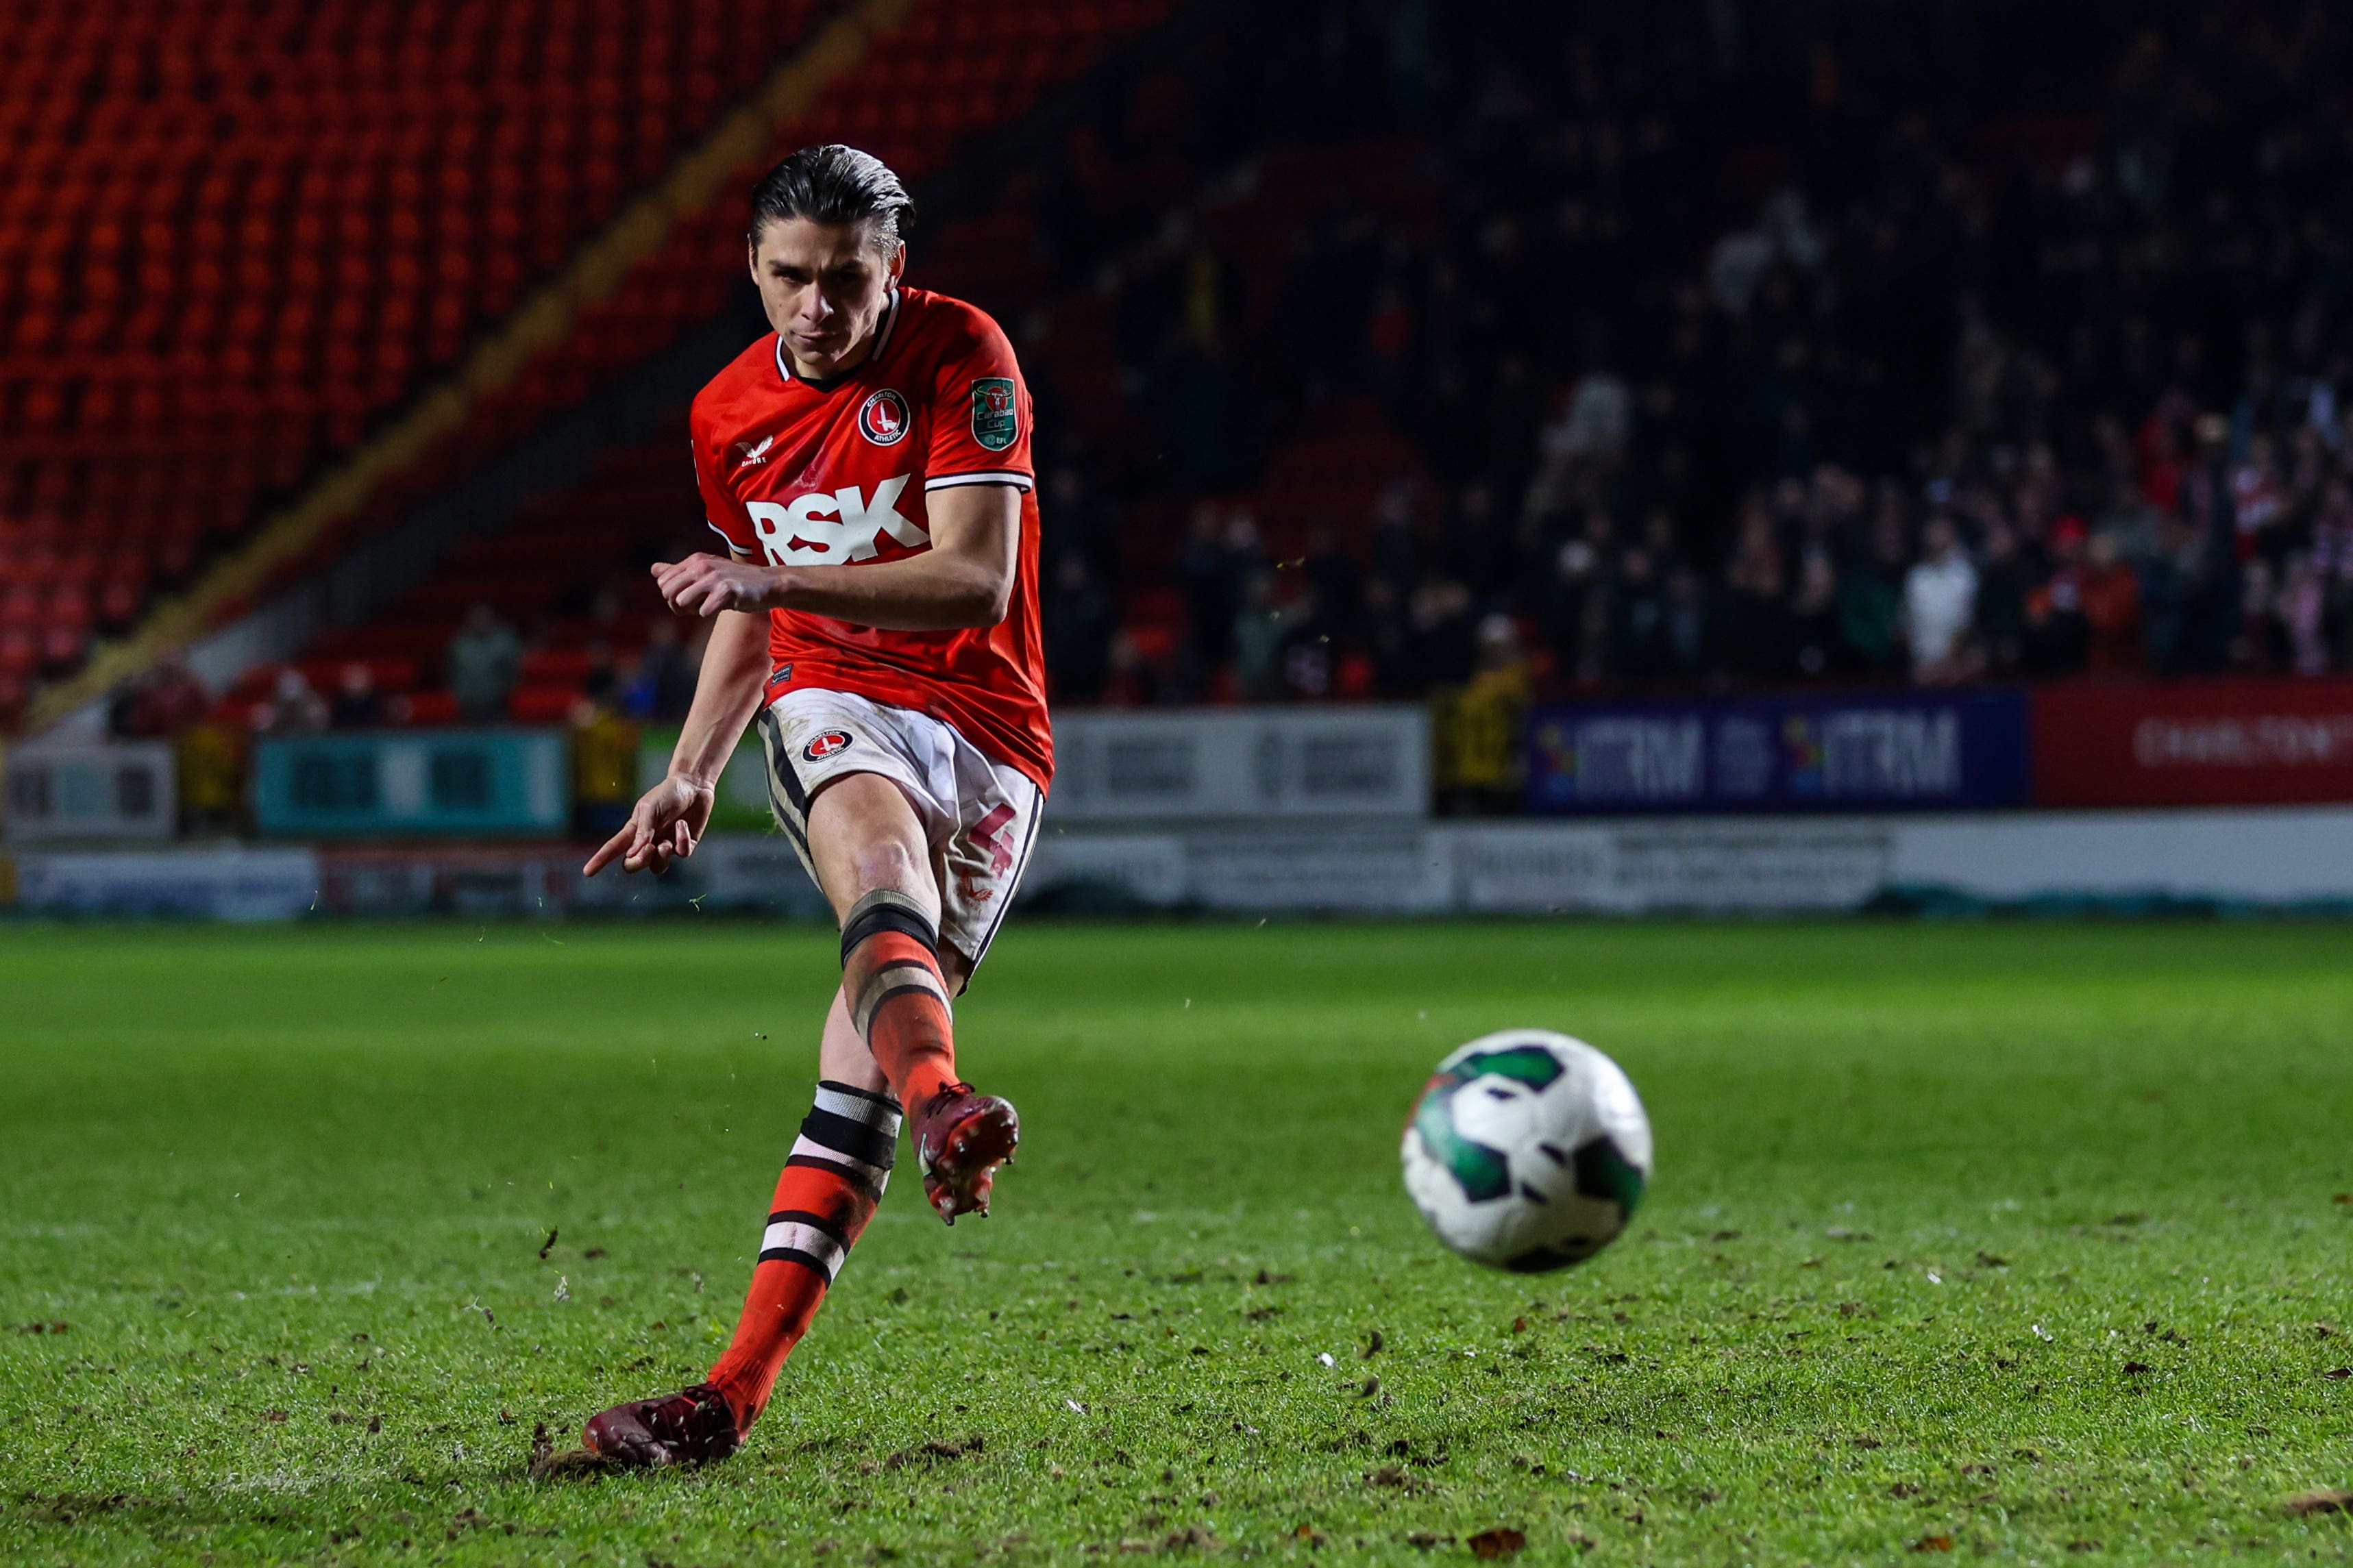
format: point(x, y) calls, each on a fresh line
point(1769, 344)
point(1734, 343)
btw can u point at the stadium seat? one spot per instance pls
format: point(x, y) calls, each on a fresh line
point(367, 209)
point(542, 704)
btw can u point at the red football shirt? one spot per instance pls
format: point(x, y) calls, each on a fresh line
point(806, 473)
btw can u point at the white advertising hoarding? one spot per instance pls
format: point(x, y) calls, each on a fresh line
point(1346, 760)
point(120, 789)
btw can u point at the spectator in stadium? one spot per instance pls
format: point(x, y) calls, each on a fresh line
point(485, 659)
point(1813, 614)
point(604, 767)
point(1133, 682)
point(161, 704)
point(2111, 598)
point(600, 683)
point(662, 684)
point(1940, 595)
point(1443, 632)
point(1259, 632)
point(211, 758)
point(1079, 619)
point(1478, 728)
point(2003, 582)
point(1690, 653)
point(293, 708)
point(357, 704)
point(1212, 573)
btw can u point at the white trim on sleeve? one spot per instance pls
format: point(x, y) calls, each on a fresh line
point(732, 548)
point(1014, 477)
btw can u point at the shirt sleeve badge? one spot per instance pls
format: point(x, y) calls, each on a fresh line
point(996, 422)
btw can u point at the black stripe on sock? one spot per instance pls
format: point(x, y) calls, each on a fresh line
point(887, 1101)
point(844, 1136)
point(809, 1261)
point(871, 1185)
point(881, 915)
point(814, 1220)
point(876, 1005)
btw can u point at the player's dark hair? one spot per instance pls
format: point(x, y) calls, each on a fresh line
point(834, 185)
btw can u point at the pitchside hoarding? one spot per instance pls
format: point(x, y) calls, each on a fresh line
point(1341, 760)
point(511, 784)
point(97, 790)
point(2206, 742)
point(1898, 751)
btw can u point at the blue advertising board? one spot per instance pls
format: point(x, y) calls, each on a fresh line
point(414, 782)
point(1895, 750)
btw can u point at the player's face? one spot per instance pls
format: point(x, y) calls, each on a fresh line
point(823, 285)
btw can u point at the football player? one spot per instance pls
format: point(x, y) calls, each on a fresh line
point(866, 469)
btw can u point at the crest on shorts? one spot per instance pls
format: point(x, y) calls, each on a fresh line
point(825, 746)
point(995, 419)
point(884, 420)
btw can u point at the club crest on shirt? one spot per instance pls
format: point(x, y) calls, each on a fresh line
point(825, 746)
point(882, 418)
point(995, 420)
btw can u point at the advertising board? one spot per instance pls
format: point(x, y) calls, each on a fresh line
point(101, 790)
point(1892, 751)
point(2206, 742)
point(1341, 760)
point(414, 782)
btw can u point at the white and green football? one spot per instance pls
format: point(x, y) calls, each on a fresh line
point(1528, 1150)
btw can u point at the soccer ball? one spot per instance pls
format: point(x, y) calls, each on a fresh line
point(1527, 1150)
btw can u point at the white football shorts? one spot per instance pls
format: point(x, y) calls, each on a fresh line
point(980, 816)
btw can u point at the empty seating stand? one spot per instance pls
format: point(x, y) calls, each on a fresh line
point(233, 237)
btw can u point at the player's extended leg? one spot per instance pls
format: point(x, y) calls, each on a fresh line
point(876, 868)
point(841, 1162)
point(839, 1167)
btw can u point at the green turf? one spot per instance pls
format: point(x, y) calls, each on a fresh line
point(2020, 1237)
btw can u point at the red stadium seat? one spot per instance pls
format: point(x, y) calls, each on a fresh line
point(430, 708)
point(364, 206)
point(542, 704)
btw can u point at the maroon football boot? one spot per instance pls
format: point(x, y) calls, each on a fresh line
point(691, 1427)
point(960, 1140)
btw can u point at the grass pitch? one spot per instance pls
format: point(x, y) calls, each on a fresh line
point(2008, 1240)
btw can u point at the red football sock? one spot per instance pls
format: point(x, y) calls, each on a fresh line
point(891, 976)
point(838, 1168)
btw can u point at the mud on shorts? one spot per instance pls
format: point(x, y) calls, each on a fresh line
point(979, 816)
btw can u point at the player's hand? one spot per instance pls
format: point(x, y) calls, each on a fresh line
point(665, 827)
point(704, 584)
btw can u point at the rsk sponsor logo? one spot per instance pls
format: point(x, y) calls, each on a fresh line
point(830, 527)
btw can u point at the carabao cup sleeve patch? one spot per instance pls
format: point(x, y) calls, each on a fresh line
point(996, 417)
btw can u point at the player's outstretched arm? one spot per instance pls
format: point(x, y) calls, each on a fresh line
point(669, 818)
point(965, 579)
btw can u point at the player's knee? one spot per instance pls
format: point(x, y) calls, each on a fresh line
point(883, 865)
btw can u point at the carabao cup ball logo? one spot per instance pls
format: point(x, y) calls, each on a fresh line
point(882, 418)
point(1482, 1172)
